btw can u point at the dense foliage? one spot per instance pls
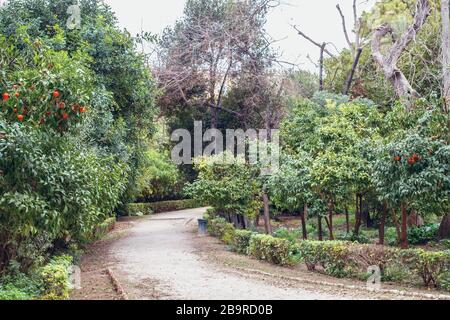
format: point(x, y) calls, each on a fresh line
point(76, 118)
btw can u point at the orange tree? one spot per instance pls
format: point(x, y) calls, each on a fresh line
point(411, 172)
point(41, 86)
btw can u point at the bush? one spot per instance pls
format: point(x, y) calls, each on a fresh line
point(141, 209)
point(242, 240)
point(444, 281)
point(219, 227)
point(160, 178)
point(429, 265)
point(228, 184)
point(20, 287)
point(51, 186)
point(291, 235)
point(423, 235)
point(103, 228)
point(333, 256)
point(352, 237)
point(274, 250)
point(56, 277)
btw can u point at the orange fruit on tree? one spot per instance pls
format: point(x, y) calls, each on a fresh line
point(20, 117)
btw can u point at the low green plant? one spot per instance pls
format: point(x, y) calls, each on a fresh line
point(444, 281)
point(56, 278)
point(428, 265)
point(220, 228)
point(20, 287)
point(446, 243)
point(423, 235)
point(290, 235)
point(143, 209)
point(242, 240)
point(361, 237)
point(274, 250)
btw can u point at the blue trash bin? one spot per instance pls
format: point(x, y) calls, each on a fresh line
point(202, 226)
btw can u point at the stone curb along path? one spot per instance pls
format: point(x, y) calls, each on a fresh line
point(428, 296)
point(116, 284)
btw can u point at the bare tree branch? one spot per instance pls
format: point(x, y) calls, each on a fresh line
point(317, 44)
point(388, 62)
point(344, 27)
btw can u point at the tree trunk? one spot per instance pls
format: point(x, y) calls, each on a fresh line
point(348, 84)
point(382, 224)
point(397, 226)
point(322, 50)
point(267, 224)
point(445, 53)
point(257, 221)
point(330, 217)
point(347, 220)
point(444, 229)
point(358, 213)
point(319, 226)
point(303, 218)
point(404, 238)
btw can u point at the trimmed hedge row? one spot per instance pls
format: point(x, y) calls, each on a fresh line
point(339, 258)
point(142, 209)
point(274, 250)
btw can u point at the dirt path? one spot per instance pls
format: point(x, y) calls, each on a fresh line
point(162, 257)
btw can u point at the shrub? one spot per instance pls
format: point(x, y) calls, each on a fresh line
point(103, 228)
point(242, 240)
point(228, 184)
point(141, 209)
point(391, 236)
point(167, 206)
point(444, 281)
point(159, 179)
point(20, 287)
point(361, 237)
point(50, 185)
point(446, 243)
point(220, 228)
point(423, 235)
point(333, 256)
point(56, 277)
point(274, 250)
point(291, 235)
point(429, 265)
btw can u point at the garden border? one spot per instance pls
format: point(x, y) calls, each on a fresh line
point(346, 286)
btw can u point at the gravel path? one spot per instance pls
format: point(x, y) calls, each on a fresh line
point(159, 259)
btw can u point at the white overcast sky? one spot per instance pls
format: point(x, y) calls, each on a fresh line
point(317, 18)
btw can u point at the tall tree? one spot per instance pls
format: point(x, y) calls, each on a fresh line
point(205, 52)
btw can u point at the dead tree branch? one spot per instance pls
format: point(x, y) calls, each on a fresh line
point(388, 61)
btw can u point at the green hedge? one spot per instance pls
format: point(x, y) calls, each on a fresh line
point(140, 209)
point(242, 241)
point(339, 258)
point(275, 250)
